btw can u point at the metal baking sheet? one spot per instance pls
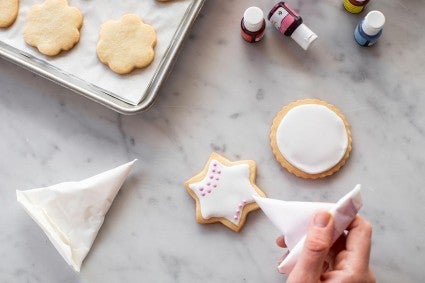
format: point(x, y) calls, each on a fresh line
point(95, 81)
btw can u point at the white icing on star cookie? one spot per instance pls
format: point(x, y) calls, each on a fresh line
point(224, 191)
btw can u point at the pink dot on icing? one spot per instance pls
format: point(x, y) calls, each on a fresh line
point(203, 194)
point(213, 170)
point(244, 201)
point(208, 184)
point(238, 211)
point(211, 176)
point(215, 164)
point(219, 172)
point(215, 185)
point(235, 217)
point(209, 191)
point(240, 205)
point(201, 189)
point(217, 179)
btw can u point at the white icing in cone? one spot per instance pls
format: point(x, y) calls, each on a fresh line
point(293, 218)
point(72, 213)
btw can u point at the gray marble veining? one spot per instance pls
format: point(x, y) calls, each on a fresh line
point(222, 96)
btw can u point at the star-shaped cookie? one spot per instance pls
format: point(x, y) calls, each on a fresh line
point(224, 191)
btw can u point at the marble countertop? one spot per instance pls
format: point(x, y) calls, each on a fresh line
point(222, 96)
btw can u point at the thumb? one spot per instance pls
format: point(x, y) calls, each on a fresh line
point(309, 266)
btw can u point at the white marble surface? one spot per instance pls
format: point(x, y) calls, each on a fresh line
point(223, 96)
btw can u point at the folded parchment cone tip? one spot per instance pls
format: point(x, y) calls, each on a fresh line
point(72, 213)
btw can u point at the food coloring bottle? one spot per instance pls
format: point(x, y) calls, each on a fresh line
point(288, 22)
point(253, 24)
point(355, 6)
point(369, 29)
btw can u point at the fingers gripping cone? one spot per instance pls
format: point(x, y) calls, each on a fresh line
point(292, 219)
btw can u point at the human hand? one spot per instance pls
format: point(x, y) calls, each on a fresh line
point(347, 260)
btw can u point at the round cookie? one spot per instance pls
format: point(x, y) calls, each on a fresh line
point(126, 44)
point(311, 138)
point(8, 12)
point(53, 26)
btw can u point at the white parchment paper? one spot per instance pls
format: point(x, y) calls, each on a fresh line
point(82, 61)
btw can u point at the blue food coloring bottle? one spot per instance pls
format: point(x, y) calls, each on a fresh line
point(369, 29)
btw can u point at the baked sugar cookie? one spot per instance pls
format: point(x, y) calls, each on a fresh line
point(311, 138)
point(126, 44)
point(8, 12)
point(53, 26)
point(223, 191)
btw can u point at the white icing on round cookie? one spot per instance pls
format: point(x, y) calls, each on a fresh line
point(312, 138)
point(224, 191)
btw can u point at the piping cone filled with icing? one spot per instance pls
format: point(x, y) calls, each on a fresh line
point(293, 218)
point(72, 213)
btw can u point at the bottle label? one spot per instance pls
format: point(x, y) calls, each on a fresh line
point(282, 19)
point(364, 39)
point(247, 37)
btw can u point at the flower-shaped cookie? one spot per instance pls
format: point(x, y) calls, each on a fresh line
point(224, 191)
point(8, 12)
point(126, 44)
point(53, 26)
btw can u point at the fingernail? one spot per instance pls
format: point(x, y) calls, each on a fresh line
point(321, 219)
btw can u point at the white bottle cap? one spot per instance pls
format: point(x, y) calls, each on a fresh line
point(303, 36)
point(373, 23)
point(253, 19)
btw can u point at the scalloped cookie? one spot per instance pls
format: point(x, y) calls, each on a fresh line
point(53, 26)
point(8, 12)
point(311, 138)
point(126, 44)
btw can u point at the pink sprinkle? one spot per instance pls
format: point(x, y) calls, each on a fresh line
point(213, 170)
point(219, 172)
point(217, 179)
point(215, 164)
point(208, 184)
point(235, 217)
point(201, 189)
point(240, 206)
point(238, 211)
point(244, 201)
point(209, 191)
point(203, 194)
point(211, 176)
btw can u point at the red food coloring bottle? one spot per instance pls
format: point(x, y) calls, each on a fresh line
point(253, 25)
point(289, 23)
